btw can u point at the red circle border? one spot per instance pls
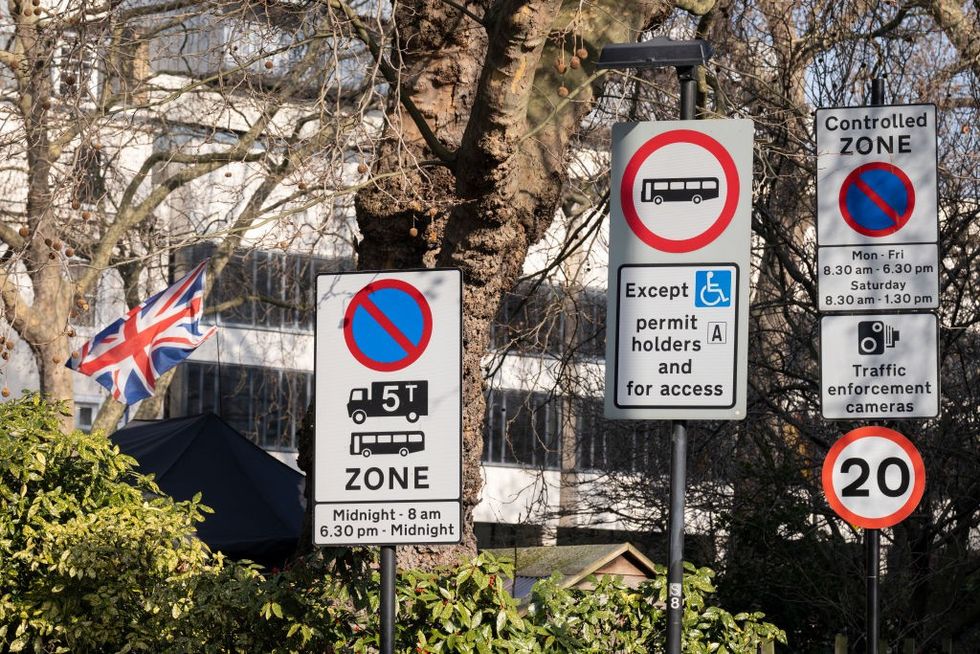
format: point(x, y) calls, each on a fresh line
point(849, 180)
point(677, 246)
point(918, 470)
point(355, 303)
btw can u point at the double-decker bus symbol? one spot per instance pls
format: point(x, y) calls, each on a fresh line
point(679, 189)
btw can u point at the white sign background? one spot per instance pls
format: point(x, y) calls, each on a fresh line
point(338, 372)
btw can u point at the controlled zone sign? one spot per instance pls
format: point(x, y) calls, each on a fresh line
point(876, 175)
point(680, 220)
point(873, 477)
point(879, 366)
point(387, 458)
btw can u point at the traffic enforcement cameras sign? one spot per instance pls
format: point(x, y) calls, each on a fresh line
point(680, 222)
point(387, 460)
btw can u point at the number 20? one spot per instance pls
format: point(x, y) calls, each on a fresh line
point(854, 489)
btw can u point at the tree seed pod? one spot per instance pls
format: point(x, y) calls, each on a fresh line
point(9, 344)
point(5, 392)
point(86, 215)
point(24, 232)
point(5, 355)
point(268, 65)
point(52, 256)
point(562, 91)
point(56, 245)
point(70, 332)
point(37, 12)
point(80, 302)
point(413, 232)
point(56, 359)
point(75, 354)
point(228, 174)
point(574, 62)
point(582, 53)
point(561, 68)
point(48, 242)
point(362, 168)
point(69, 252)
point(301, 186)
point(45, 104)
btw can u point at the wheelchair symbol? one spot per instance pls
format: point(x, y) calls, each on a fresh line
point(713, 288)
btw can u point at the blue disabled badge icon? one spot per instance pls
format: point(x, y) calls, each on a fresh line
point(712, 288)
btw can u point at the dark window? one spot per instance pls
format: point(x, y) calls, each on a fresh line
point(89, 177)
point(545, 319)
point(619, 445)
point(265, 404)
point(522, 429)
point(264, 288)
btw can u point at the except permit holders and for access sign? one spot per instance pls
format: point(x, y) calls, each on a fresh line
point(678, 292)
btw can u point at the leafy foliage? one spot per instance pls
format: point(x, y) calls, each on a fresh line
point(93, 558)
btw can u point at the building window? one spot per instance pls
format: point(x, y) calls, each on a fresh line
point(257, 288)
point(265, 404)
point(522, 429)
point(618, 445)
point(85, 416)
point(545, 319)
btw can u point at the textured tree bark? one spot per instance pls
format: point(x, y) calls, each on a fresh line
point(489, 93)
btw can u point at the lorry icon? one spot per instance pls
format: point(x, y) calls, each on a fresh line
point(409, 399)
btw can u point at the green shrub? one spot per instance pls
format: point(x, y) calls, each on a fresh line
point(93, 559)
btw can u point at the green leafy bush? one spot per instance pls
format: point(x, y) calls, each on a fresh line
point(94, 559)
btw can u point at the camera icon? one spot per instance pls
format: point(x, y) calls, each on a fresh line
point(874, 336)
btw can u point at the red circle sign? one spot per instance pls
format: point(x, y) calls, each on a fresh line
point(725, 215)
point(873, 477)
point(387, 325)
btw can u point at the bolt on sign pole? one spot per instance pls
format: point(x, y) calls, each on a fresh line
point(872, 537)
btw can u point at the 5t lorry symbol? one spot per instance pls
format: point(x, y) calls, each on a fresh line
point(409, 399)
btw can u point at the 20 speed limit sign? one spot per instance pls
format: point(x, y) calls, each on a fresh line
point(873, 477)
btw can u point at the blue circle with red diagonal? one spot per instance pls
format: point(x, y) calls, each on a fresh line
point(387, 325)
point(877, 199)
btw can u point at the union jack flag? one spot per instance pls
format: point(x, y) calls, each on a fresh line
point(129, 355)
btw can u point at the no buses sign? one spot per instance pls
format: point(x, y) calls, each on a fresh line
point(678, 270)
point(387, 460)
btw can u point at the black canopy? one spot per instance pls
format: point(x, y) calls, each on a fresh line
point(257, 499)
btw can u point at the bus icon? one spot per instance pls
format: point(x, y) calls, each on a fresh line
point(386, 442)
point(679, 189)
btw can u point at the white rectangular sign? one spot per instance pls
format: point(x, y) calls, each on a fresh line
point(676, 342)
point(876, 175)
point(879, 366)
point(878, 277)
point(680, 219)
point(387, 460)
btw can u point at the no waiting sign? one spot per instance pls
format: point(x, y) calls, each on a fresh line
point(876, 175)
point(387, 459)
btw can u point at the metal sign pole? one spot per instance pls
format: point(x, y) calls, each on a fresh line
point(387, 599)
point(678, 456)
point(872, 537)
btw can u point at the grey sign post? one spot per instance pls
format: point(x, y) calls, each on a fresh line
point(677, 190)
